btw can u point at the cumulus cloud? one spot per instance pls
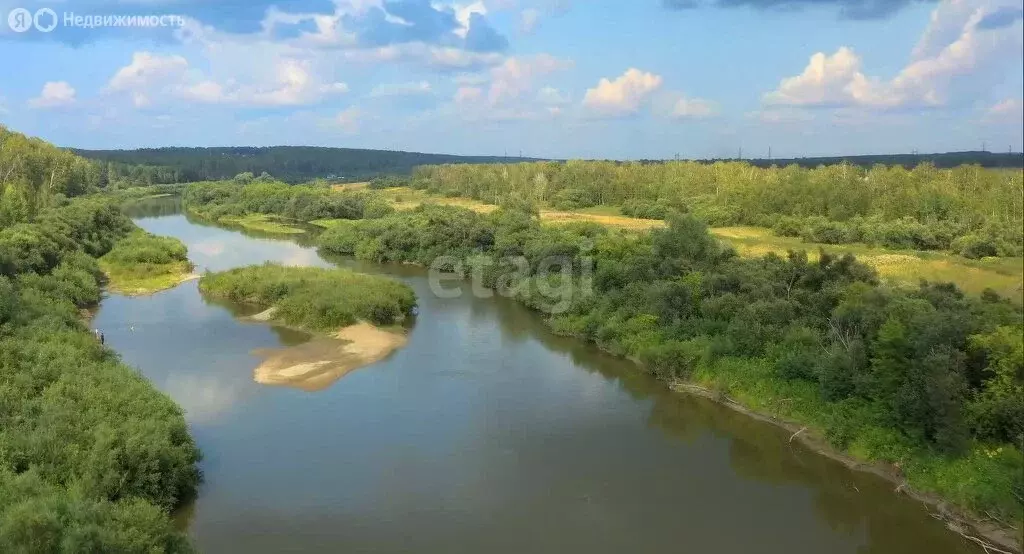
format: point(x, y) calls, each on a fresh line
point(954, 45)
point(149, 76)
point(145, 68)
point(408, 21)
point(511, 91)
point(694, 108)
point(848, 9)
point(623, 96)
point(517, 76)
point(55, 94)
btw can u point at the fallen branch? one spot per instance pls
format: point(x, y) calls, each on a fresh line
point(999, 521)
point(797, 433)
point(986, 546)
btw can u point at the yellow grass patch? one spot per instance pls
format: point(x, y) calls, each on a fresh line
point(350, 186)
point(900, 268)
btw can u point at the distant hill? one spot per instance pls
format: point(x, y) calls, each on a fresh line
point(946, 160)
point(288, 163)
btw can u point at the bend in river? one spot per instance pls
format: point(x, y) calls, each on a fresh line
point(485, 433)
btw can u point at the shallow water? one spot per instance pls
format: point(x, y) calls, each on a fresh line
point(484, 434)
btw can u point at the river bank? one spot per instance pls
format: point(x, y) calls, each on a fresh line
point(991, 535)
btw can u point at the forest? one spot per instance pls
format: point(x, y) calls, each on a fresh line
point(968, 210)
point(314, 299)
point(926, 378)
point(292, 164)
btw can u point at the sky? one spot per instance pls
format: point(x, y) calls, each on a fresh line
point(545, 78)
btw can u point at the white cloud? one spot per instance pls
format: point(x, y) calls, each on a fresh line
point(55, 94)
point(401, 89)
point(146, 69)
point(1009, 111)
point(348, 120)
point(464, 13)
point(469, 95)
point(551, 96)
point(693, 108)
point(290, 83)
point(952, 46)
point(528, 20)
point(623, 96)
point(512, 79)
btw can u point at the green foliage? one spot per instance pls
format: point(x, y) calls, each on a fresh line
point(314, 298)
point(92, 457)
point(141, 248)
point(39, 517)
point(34, 173)
point(145, 263)
point(970, 210)
point(217, 200)
point(293, 164)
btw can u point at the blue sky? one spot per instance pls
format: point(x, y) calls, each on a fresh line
point(548, 78)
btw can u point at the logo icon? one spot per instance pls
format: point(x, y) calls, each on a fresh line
point(45, 25)
point(20, 20)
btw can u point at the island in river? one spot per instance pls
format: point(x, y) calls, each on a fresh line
point(347, 311)
point(141, 264)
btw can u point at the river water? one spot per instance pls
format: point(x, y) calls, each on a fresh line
point(485, 434)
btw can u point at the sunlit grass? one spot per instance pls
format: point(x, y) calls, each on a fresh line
point(141, 263)
point(148, 280)
point(351, 186)
point(264, 223)
point(896, 267)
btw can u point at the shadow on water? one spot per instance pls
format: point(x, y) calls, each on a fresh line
point(487, 433)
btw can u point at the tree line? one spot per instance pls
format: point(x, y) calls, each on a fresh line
point(292, 164)
point(972, 211)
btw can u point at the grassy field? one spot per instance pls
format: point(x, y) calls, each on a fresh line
point(897, 267)
point(264, 223)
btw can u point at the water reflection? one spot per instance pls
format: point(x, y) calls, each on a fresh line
point(486, 433)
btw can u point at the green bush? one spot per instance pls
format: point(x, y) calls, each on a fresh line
point(314, 298)
point(92, 457)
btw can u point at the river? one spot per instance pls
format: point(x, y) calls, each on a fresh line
point(485, 433)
